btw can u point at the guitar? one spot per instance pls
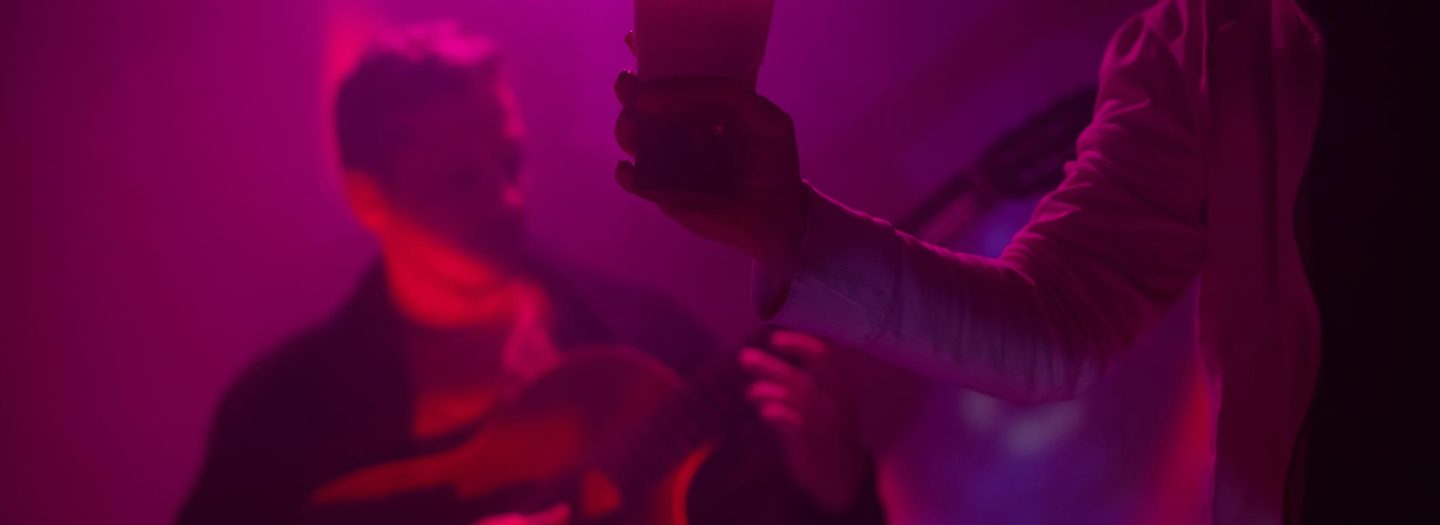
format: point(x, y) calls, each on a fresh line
point(611, 432)
point(620, 438)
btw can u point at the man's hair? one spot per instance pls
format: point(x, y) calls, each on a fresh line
point(399, 73)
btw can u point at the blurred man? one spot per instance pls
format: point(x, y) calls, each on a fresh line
point(456, 316)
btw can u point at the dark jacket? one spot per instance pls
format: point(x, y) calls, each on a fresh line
point(336, 398)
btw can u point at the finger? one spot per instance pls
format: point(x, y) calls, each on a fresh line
point(752, 113)
point(765, 366)
point(681, 94)
point(630, 43)
point(803, 399)
point(818, 355)
point(764, 392)
point(781, 417)
point(625, 176)
point(680, 205)
point(798, 344)
point(763, 117)
point(627, 88)
point(627, 131)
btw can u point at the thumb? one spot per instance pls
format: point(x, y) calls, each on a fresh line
point(764, 118)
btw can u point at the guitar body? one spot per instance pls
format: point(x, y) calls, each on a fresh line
point(537, 450)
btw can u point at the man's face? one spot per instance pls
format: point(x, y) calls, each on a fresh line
point(457, 177)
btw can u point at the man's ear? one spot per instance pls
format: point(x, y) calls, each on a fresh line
point(366, 198)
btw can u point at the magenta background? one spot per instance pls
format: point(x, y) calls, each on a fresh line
point(168, 208)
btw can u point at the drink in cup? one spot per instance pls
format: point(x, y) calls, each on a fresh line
point(709, 42)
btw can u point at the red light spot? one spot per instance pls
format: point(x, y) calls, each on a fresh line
point(598, 495)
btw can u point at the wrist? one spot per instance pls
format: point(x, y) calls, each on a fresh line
point(780, 238)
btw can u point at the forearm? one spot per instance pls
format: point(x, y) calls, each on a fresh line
point(1002, 326)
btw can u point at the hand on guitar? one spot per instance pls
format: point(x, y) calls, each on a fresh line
point(805, 404)
point(557, 515)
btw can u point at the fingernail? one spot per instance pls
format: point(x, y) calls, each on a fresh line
point(625, 87)
point(625, 175)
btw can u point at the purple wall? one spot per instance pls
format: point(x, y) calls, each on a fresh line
point(166, 189)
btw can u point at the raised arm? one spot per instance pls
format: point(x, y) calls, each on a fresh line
point(1104, 255)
